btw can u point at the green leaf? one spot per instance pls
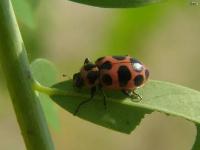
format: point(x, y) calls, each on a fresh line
point(117, 3)
point(130, 28)
point(124, 115)
point(24, 12)
point(196, 145)
point(46, 74)
point(117, 116)
point(34, 3)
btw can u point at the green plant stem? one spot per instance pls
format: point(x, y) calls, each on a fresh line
point(48, 90)
point(14, 61)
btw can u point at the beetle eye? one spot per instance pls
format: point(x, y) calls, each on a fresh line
point(137, 66)
point(77, 80)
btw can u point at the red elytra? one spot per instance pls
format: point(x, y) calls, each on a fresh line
point(111, 72)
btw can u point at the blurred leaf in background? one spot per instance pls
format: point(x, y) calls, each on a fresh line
point(130, 27)
point(34, 3)
point(46, 74)
point(128, 30)
point(117, 3)
point(24, 11)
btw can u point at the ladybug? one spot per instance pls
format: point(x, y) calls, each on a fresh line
point(121, 73)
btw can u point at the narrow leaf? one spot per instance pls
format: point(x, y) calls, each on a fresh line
point(122, 114)
point(46, 74)
point(117, 116)
point(196, 145)
point(117, 3)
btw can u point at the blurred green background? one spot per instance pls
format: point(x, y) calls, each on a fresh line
point(164, 36)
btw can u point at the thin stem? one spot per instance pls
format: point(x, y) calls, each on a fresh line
point(15, 65)
point(47, 90)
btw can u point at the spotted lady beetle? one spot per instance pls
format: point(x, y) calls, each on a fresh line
point(121, 73)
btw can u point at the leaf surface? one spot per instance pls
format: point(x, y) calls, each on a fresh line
point(122, 114)
point(196, 145)
point(117, 3)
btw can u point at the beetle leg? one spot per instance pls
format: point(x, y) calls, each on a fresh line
point(137, 95)
point(104, 96)
point(93, 90)
point(132, 95)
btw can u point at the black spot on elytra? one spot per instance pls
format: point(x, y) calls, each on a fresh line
point(106, 65)
point(89, 66)
point(119, 57)
point(106, 79)
point(92, 76)
point(133, 60)
point(99, 59)
point(124, 75)
point(138, 80)
point(146, 73)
